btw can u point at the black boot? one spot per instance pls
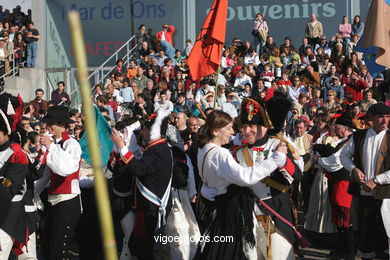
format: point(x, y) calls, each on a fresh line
point(349, 242)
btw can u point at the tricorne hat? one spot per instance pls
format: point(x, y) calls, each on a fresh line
point(57, 114)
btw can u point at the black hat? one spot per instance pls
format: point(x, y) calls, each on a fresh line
point(57, 114)
point(379, 108)
point(253, 112)
point(345, 120)
point(278, 107)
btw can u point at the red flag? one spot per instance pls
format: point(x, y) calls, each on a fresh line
point(205, 56)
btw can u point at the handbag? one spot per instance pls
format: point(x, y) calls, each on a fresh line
point(255, 33)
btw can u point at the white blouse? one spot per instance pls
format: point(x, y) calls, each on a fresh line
point(220, 170)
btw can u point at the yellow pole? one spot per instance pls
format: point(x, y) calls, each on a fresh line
point(101, 192)
point(216, 88)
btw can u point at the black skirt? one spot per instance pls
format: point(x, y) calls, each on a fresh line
point(230, 217)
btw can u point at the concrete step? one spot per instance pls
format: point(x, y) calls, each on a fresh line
point(32, 73)
point(23, 86)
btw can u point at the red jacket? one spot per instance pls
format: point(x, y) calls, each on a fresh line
point(168, 34)
point(356, 88)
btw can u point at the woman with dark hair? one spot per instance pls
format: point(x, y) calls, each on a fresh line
point(260, 32)
point(229, 203)
point(357, 26)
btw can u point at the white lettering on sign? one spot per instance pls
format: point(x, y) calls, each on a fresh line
point(287, 11)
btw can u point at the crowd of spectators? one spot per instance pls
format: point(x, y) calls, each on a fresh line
point(321, 77)
point(18, 40)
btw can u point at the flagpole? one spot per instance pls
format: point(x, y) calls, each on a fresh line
point(216, 87)
point(101, 192)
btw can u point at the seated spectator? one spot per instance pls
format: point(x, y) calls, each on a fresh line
point(367, 101)
point(139, 79)
point(269, 45)
point(181, 125)
point(365, 75)
point(246, 92)
point(274, 59)
point(203, 90)
point(331, 102)
point(143, 107)
point(161, 58)
point(324, 45)
point(311, 78)
point(178, 57)
point(163, 103)
point(283, 83)
point(126, 92)
point(184, 106)
point(168, 66)
point(119, 67)
point(305, 44)
point(59, 96)
point(102, 103)
point(267, 76)
point(39, 104)
point(307, 57)
point(252, 57)
point(132, 69)
point(324, 66)
point(333, 85)
point(378, 88)
point(232, 104)
point(296, 89)
point(356, 86)
point(316, 99)
point(148, 91)
point(207, 101)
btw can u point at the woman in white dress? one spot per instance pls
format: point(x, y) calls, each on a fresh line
point(226, 193)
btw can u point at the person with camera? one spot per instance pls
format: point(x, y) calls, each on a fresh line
point(166, 40)
point(259, 32)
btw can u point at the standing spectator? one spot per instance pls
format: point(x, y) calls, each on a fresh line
point(188, 47)
point(3, 56)
point(166, 41)
point(261, 27)
point(59, 96)
point(314, 30)
point(20, 48)
point(142, 35)
point(357, 26)
point(31, 39)
point(345, 30)
point(39, 104)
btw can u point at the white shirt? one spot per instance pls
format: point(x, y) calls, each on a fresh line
point(229, 108)
point(220, 169)
point(371, 146)
point(166, 106)
point(332, 163)
point(242, 81)
point(62, 161)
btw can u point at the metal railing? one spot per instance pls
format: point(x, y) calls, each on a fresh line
point(14, 68)
point(126, 52)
